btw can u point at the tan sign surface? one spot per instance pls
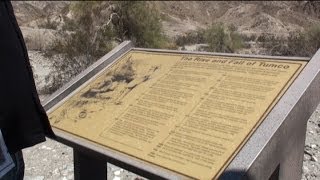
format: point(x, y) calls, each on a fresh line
point(185, 112)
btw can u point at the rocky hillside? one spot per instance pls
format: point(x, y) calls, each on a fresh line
point(277, 17)
point(40, 19)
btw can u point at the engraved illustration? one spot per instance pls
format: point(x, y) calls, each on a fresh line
point(111, 88)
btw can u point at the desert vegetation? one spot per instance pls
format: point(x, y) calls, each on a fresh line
point(218, 38)
point(96, 27)
point(91, 29)
point(299, 43)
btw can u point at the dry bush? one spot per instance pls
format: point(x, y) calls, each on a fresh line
point(221, 39)
point(95, 28)
point(194, 37)
point(303, 44)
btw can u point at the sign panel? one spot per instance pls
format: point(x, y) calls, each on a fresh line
point(185, 112)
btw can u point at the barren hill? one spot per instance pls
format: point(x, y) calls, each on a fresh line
point(278, 17)
point(178, 17)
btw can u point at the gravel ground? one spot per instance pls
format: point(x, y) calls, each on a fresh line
point(54, 161)
point(311, 165)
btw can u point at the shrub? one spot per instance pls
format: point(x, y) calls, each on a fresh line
point(247, 38)
point(140, 23)
point(312, 40)
point(83, 40)
point(297, 44)
point(93, 30)
point(223, 40)
point(194, 37)
point(49, 24)
point(219, 38)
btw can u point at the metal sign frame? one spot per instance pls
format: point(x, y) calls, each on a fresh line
point(275, 150)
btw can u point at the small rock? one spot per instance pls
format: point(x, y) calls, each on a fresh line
point(70, 168)
point(70, 176)
point(117, 173)
point(116, 178)
point(313, 158)
point(307, 153)
point(306, 158)
point(56, 171)
point(313, 146)
point(311, 132)
point(34, 178)
point(64, 178)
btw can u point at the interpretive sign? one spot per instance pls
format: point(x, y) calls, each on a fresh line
point(188, 113)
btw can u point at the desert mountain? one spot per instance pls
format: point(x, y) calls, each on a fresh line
point(278, 18)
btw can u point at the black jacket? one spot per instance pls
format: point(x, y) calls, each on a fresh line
point(23, 120)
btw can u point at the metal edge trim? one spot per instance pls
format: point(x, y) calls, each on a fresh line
point(224, 54)
point(277, 116)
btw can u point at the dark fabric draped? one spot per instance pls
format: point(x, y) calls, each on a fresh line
point(23, 120)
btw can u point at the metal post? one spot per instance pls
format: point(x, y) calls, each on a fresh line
point(87, 167)
point(291, 165)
